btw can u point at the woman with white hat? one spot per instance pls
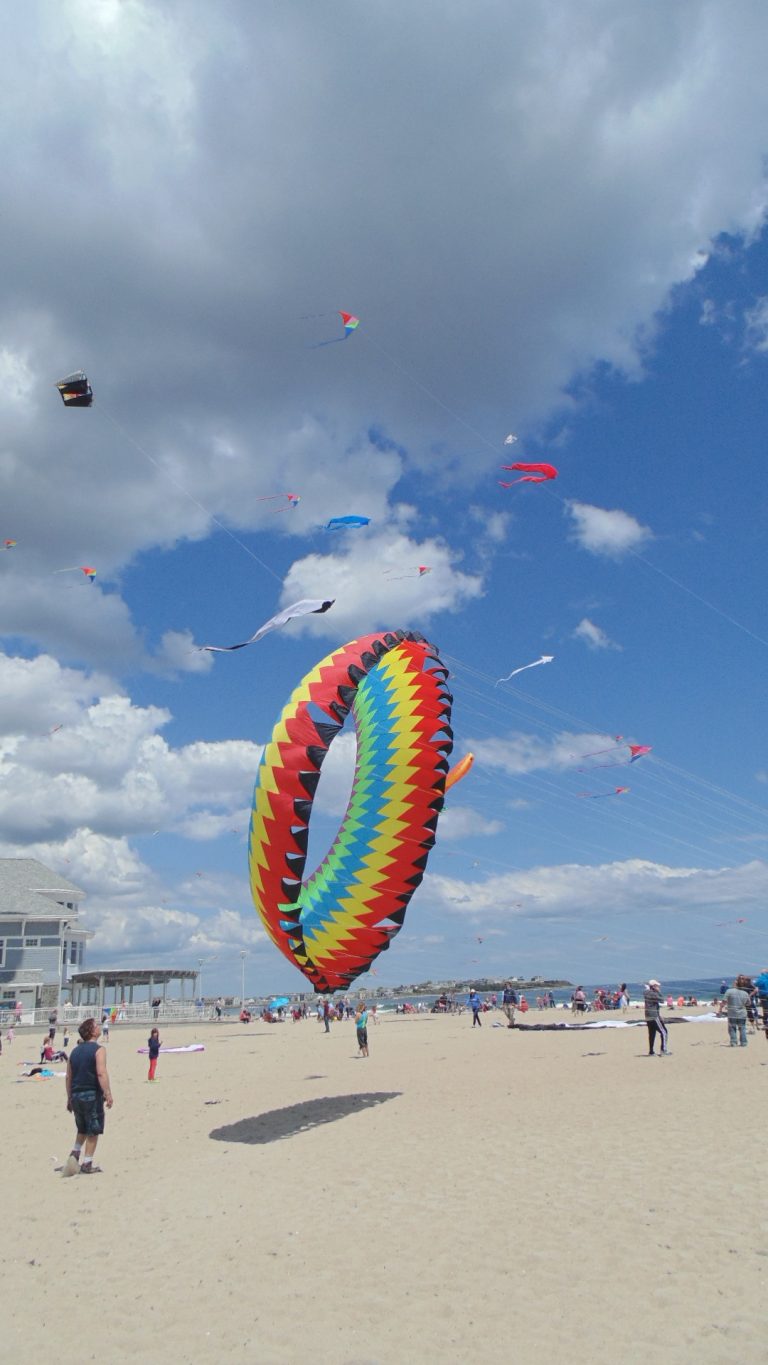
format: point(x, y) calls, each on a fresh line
point(656, 1025)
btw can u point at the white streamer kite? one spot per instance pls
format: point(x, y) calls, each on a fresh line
point(545, 659)
point(304, 608)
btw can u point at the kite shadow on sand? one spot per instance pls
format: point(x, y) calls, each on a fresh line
point(299, 1118)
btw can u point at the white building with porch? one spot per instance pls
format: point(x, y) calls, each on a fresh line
point(42, 941)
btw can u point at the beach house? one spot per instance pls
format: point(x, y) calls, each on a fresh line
point(41, 939)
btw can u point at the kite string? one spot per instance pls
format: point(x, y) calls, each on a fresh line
point(431, 394)
point(181, 489)
point(563, 501)
point(741, 812)
point(731, 619)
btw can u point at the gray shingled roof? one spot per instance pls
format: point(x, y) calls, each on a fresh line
point(20, 881)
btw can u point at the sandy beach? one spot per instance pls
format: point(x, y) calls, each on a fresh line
point(460, 1193)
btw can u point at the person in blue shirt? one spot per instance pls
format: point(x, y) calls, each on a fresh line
point(361, 1026)
point(475, 1004)
point(88, 1091)
point(509, 1003)
point(153, 1045)
point(761, 985)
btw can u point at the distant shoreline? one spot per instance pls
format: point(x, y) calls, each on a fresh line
point(482, 984)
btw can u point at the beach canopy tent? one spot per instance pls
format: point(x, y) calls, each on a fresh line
point(90, 988)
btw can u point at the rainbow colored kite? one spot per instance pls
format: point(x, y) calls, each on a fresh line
point(333, 925)
point(351, 324)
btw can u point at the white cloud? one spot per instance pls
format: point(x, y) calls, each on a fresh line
point(605, 532)
point(633, 886)
point(107, 770)
point(376, 584)
point(155, 934)
point(519, 753)
point(16, 378)
point(179, 654)
point(756, 319)
point(461, 822)
point(593, 636)
point(708, 314)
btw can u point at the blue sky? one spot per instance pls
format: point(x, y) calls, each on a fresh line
point(573, 252)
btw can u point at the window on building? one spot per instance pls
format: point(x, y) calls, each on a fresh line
point(31, 943)
point(2, 952)
point(73, 954)
point(49, 942)
point(14, 942)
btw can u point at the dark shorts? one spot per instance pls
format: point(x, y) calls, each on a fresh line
point(88, 1112)
point(362, 1037)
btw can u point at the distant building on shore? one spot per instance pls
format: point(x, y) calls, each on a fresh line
point(41, 939)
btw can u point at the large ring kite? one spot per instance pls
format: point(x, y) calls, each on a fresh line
point(333, 925)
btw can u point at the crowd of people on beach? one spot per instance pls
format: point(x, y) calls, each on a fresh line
point(744, 1004)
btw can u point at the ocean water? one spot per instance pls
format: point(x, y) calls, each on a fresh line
point(704, 989)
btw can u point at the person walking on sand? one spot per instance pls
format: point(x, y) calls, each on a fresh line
point(327, 1015)
point(361, 1027)
point(736, 1002)
point(509, 1003)
point(153, 1046)
point(88, 1091)
point(761, 986)
point(656, 1025)
point(475, 1004)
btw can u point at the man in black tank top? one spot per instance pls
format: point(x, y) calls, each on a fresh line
point(88, 1091)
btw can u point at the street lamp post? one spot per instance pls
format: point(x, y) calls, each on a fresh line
point(202, 962)
point(243, 956)
point(67, 924)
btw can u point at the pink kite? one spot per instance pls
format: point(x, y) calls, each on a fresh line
point(598, 796)
point(635, 751)
point(292, 500)
point(87, 569)
point(418, 571)
point(533, 473)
